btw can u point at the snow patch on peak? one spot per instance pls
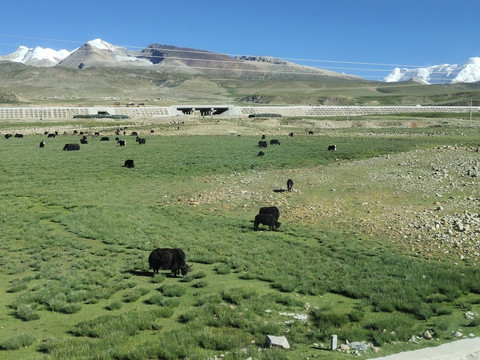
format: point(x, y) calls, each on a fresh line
point(37, 56)
point(101, 45)
point(467, 72)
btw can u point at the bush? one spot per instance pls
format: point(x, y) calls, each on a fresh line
point(16, 342)
point(158, 278)
point(155, 299)
point(114, 305)
point(199, 284)
point(223, 269)
point(173, 290)
point(236, 295)
point(27, 312)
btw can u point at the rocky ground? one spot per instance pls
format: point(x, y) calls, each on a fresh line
point(427, 201)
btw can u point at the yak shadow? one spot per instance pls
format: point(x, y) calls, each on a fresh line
point(278, 190)
point(150, 273)
point(140, 273)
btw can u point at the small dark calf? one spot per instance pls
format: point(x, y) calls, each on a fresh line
point(42, 144)
point(260, 153)
point(122, 142)
point(289, 184)
point(83, 141)
point(129, 163)
point(266, 219)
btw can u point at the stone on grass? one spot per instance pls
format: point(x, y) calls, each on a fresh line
point(277, 341)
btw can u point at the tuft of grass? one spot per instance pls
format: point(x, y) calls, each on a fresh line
point(16, 342)
point(114, 305)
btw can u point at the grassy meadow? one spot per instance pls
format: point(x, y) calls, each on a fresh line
point(77, 229)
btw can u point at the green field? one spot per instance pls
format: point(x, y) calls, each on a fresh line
point(77, 229)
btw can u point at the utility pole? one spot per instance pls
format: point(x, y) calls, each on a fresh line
point(470, 109)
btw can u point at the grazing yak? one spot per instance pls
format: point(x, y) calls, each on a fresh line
point(332, 148)
point(121, 142)
point(42, 144)
point(289, 185)
point(8, 136)
point(18, 135)
point(273, 210)
point(83, 141)
point(269, 220)
point(70, 147)
point(262, 144)
point(274, 142)
point(168, 259)
point(140, 140)
point(260, 153)
point(104, 138)
point(129, 164)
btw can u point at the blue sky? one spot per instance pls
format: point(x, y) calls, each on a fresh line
point(363, 37)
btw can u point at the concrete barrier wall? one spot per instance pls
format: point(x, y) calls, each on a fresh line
point(147, 112)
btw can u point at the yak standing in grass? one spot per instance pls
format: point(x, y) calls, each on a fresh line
point(270, 210)
point(269, 220)
point(289, 185)
point(168, 259)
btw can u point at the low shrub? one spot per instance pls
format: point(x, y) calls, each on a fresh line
point(199, 284)
point(114, 305)
point(223, 269)
point(158, 278)
point(173, 290)
point(155, 299)
point(27, 312)
point(16, 342)
point(236, 295)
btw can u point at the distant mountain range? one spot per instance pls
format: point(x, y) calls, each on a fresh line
point(96, 53)
point(468, 72)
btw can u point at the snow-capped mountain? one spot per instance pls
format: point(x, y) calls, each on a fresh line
point(97, 53)
point(467, 72)
point(37, 56)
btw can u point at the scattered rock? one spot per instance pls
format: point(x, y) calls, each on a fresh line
point(280, 341)
point(427, 335)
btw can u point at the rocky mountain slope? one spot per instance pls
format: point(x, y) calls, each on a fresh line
point(98, 53)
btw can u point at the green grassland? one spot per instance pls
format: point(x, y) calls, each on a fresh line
point(77, 229)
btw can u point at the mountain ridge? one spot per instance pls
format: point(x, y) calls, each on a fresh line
point(97, 53)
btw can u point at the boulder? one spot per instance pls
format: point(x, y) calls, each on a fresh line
point(277, 341)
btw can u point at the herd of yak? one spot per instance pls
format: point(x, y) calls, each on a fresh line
point(174, 259)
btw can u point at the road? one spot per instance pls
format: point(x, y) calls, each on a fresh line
point(467, 349)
